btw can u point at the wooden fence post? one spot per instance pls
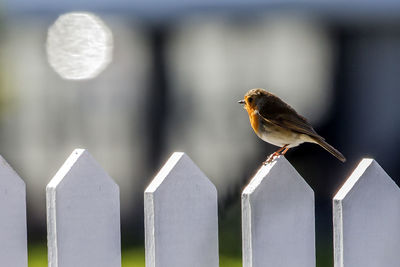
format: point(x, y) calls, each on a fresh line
point(278, 224)
point(83, 216)
point(13, 246)
point(181, 220)
point(366, 219)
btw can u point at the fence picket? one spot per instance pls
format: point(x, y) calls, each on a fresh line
point(278, 224)
point(13, 242)
point(181, 220)
point(366, 217)
point(83, 218)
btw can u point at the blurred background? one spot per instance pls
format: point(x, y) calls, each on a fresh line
point(168, 77)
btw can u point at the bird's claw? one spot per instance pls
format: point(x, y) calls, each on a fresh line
point(271, 158)
point(279, 152)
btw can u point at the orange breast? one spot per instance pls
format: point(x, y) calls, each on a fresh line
point(254, 119)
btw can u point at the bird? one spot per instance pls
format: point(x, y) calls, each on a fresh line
point(277, 123)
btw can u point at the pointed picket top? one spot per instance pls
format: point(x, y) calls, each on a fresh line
point(80, 160)
point(83, 215)
point(178, 165)
point(278, 223)
point(366, 218)
point(13, 239)
point(181, 218)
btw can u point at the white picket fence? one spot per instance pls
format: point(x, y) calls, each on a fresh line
point(181, 221)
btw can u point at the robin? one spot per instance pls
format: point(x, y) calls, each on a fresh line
point(279, 124)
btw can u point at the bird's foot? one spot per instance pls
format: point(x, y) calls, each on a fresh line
point(271, 158)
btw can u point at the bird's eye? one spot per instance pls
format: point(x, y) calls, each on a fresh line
point(249, 99)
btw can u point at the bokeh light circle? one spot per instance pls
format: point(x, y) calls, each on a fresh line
point(79, 46)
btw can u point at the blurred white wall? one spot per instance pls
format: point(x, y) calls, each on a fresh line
point(211, 62)
point(46, 117)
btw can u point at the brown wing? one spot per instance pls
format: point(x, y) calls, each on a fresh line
point(283, 115)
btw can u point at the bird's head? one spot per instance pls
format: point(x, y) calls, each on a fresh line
point(253, 98)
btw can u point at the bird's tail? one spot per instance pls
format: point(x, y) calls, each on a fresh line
point(330, 149)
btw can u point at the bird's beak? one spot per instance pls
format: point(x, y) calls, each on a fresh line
point(241, 102)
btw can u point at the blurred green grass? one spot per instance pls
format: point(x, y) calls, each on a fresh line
point(131, 257)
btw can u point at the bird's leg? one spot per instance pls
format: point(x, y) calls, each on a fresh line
point(285, 150)
point(280, 149)
point(276, 153)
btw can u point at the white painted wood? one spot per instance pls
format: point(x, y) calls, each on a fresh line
point(181, 220)
point(278, 222)
point(83, 215)
point(366, 217)
point(13, 242)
